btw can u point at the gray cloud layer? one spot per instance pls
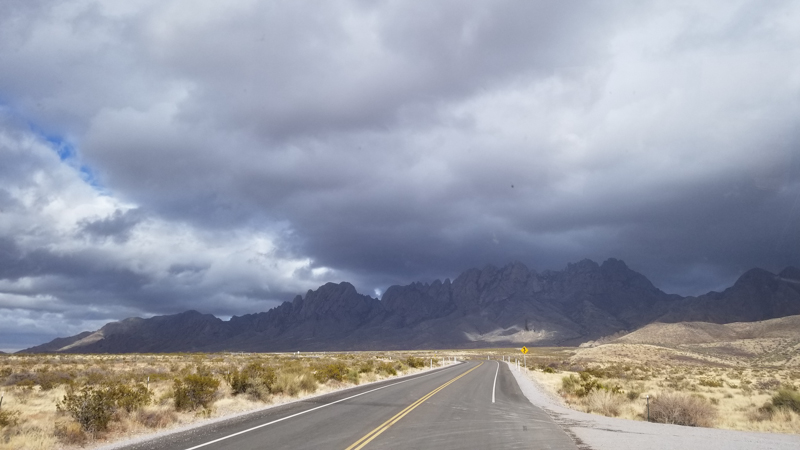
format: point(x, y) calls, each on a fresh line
point(168, 155)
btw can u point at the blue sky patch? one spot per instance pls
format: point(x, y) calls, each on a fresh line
point(68, 154)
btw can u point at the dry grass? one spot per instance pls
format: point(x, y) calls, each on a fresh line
point(33, 384)
point(682, 409)
point(732, 388)
point(605, 403)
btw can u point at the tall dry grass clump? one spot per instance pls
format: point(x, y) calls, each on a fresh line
point(293, 383)
point(682, 409)
point(160, 417)
point(787, 398)
point(8, 418)
point(605, 403)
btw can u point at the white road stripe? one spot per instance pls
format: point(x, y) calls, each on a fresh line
point(304, 412)
point(495, 380)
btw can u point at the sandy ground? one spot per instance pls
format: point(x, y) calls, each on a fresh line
point(594, 432)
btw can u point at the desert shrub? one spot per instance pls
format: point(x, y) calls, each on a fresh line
point(367, 366)
point(584, 384)
point(548, 369)
point(239, 381)
point(8, 418)
point(787, 398)
point(711, 382)
point(130, 398)
point(352, 376)
point(767, 385)
point(308, 383)
point(682, 409)
point(5, 372)
point(96, 376)
point(194, 391)
point(331, 371)
point(254, 379)
point(604, 402)
point(47, 379)
point(633, 394)
point(415, 362)
point(570, 384)
point(92, 408)
point(22, 379)
point(386, 368)
point(595, 372)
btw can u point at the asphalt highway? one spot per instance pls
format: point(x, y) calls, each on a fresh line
point(451, 408)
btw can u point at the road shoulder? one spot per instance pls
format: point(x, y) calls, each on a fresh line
point(594, 432)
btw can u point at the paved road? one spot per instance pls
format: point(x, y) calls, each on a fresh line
point(446, 409)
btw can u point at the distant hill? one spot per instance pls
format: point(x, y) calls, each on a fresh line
point(507, 306)
point(673, 334)
point(766, 343)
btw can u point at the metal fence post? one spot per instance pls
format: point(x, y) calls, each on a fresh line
point(648, 406)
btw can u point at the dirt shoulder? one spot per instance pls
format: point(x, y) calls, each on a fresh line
point(594, 432)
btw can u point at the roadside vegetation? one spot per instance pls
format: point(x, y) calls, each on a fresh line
point(688, 389)
point(78, 401)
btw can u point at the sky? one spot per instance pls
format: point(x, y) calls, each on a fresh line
point(165, 155)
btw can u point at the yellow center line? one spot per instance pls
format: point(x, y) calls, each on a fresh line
point(359, 444)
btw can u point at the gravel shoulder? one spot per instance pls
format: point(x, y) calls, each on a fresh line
point(595, 432)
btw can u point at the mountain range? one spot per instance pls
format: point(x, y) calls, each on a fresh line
point(489, 307)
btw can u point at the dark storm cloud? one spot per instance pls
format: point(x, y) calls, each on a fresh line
point(118, 226)
point(83, 270)
point(238, 154)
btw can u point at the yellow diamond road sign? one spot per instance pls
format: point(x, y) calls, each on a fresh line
point(524, 350)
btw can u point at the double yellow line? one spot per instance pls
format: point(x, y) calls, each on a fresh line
point(385, 425)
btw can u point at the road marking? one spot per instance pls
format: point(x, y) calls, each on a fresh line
point(359, 444)
point(306, 411)
point(495, 380)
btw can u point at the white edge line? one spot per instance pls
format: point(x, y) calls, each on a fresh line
point(495, 380)
point(304, 412)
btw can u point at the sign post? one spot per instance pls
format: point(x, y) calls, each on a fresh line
point(524, 351)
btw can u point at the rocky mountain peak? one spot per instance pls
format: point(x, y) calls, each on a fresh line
point(614, 266)
point(333, 298)
point(615, 270)
point(755, 277)
point(582, 266)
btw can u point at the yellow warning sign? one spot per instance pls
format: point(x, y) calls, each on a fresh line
point(524, 350)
